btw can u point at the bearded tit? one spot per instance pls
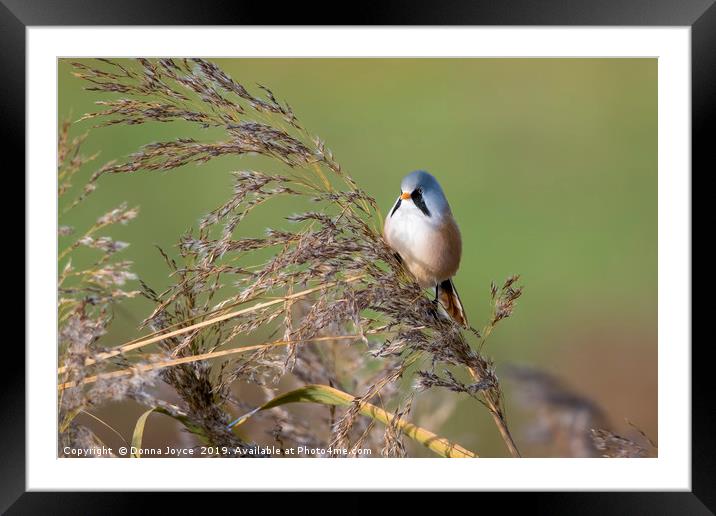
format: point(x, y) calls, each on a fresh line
point(421, 229)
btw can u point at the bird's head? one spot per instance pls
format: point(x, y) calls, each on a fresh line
point(424, 191)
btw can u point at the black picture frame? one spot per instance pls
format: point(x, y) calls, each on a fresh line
point(700, 15)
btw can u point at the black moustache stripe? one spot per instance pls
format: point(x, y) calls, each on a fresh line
point(397, 205)
point(420, 203)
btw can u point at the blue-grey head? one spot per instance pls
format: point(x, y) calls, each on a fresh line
point(425, 191)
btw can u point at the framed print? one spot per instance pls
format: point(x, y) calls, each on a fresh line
point(356, 254)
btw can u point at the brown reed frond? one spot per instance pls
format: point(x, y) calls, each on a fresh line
point(87, 292)
point(560, 416)
point(572, 423)
point(612, 445)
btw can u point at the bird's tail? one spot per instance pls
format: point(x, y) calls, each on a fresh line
point(449, 298)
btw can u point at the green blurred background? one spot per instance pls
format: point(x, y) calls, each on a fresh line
point(550, 167)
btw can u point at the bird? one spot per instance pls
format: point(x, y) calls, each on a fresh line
point(421, 230)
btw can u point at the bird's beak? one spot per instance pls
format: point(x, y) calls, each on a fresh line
point(405, 195)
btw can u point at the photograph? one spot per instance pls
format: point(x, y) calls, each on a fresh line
point(359, 258)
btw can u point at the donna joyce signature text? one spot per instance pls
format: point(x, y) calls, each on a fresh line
point(213, 451)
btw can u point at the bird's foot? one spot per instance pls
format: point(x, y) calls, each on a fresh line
point(435, 308)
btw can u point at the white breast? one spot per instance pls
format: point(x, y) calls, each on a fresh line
point(417, 238)
point(407, 230)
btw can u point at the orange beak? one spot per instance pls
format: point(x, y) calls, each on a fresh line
point(405, 195)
